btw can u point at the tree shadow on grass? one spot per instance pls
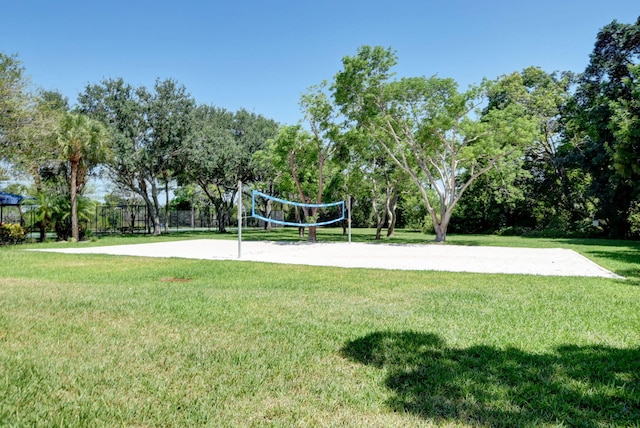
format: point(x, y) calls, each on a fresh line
point(629, 258)
point(485, 386)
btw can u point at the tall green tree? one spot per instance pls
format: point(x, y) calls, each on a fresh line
point(378, 176)
point(539, 190)
point(266, 180)
point(149, 130)
point(316, 151)
point(14, 101)
point(33, 152)
point(597, 112)
point(84, 144)
point(169, 118)
point(625, 125)
point(210, 158)
point(553, 191)
point(219, 151)
point(439, 136)
point(34, 144)
point(295, 150)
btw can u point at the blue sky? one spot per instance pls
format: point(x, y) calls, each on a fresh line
point(262, 55)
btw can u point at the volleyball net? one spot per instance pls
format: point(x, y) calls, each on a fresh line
point(326, 213)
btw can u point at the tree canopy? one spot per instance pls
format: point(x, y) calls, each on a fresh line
point(149, 129)
point(439, 136)
point(13, 99)
point(83, 143)
point(530, 151)
point(218, 153)
point(601, 121)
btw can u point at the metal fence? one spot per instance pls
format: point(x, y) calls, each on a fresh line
point(136, 219)
point(14, 214)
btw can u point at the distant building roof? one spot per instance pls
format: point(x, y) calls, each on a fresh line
point(7, 199)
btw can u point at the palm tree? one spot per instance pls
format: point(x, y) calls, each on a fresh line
point(44, 213)
point(84, 145)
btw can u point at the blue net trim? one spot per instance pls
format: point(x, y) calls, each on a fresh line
point(296, 204)
point(255, 193)
point(290, 223)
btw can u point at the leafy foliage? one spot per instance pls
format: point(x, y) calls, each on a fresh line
point(437, 135)
point(625, 124)
point(218, 153)
point(539, 190)
point(149, 129)
point(83, 143)
point(531, 151)
point(11, 233)
point(13, 100)
point(600, 124)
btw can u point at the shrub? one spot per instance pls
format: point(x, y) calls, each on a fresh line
point(513, 231)
point(634, 220)
point(11, 233)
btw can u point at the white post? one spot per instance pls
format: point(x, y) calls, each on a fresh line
point(239, 218)
point(349, 211)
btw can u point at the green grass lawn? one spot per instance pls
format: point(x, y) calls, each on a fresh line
point(96, 340)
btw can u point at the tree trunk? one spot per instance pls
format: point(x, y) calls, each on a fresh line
point(22, 219)
point(379, 219)
point(378, 230)
point(222, 220)
point(345, 222)
point(376, 212)
point(157, 228)
point(43, 230)
point(42, 225)
point(151, 208)
point(300, 228)
point(440, 226)
point(75, 232)
point(310, 217)
point(441, 232)
point(166, 203)
point(267, 224)
point(392, 217)
point(132, 220)
point(312, 234)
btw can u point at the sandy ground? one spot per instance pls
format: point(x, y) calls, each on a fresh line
point(452, 258)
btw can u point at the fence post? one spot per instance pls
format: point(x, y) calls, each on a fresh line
point(239, 218)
